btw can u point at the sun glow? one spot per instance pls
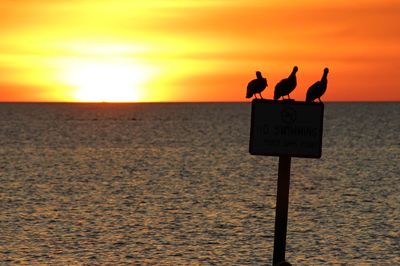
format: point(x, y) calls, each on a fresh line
point(186, 50)
point(107, 81)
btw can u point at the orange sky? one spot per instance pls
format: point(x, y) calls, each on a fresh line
point(203, 50)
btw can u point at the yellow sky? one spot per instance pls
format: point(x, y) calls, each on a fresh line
point(195, 50)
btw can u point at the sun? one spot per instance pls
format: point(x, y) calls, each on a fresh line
point(107, 81)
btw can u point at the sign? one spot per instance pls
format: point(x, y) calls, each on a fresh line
point(286, 128)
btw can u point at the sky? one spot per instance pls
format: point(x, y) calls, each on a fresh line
point(202, 50)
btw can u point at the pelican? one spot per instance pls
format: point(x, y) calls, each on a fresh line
point(256, 86)
point(318, 88)
point(286, 86)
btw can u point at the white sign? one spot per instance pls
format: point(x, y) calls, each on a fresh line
point(286, 128)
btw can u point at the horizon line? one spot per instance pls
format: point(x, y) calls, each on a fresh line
point(175, 102)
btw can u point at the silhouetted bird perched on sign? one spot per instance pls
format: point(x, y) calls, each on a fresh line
point(256, 86)
point(286, 86)
point(318, 88)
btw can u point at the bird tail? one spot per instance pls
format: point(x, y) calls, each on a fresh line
point(249, 94)
point(308, 97)
point(276, 95)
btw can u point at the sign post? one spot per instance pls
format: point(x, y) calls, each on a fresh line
point(286, 129)
point(282, 206)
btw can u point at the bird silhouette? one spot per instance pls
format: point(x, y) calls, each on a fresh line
point(318, 88)
point(286, 86)
point(256, 86)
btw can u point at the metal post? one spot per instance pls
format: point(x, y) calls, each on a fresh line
point(281, 213)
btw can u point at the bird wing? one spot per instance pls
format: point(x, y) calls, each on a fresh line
point(312, 92)
point(279, 87)
point(251, 84)
point(281, 84)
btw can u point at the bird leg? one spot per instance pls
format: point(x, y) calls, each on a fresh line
point(261, 95)
point(255, 95)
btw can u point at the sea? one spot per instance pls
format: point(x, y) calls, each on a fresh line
point(174, 184)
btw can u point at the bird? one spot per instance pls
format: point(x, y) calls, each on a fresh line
point(256, 86)
point(286, 86)
point(318, 88)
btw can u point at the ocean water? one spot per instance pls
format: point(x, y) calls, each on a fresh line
point(174, 184)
